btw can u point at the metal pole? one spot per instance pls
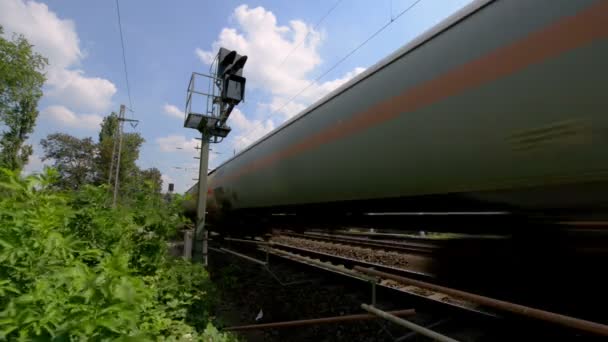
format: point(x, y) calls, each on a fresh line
point(414, 334)
point(116, 179)
point(568, 321)
point(402, 322)
point(246, 257)
point(217, 250)
point(201, 234)
point(247, 241)
point(374, 293)
point(335, 319)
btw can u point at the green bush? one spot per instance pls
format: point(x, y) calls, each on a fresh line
point(72, 268)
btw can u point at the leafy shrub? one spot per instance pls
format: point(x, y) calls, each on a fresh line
point(72, 268)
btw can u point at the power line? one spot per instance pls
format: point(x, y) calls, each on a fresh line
point(348, 54)
point(124, 57)
point(331, 9)
point(340, 61)
point(308, 33)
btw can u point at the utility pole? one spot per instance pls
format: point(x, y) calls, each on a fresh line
point(117, 152)
point(114, 147)
point(121, 117)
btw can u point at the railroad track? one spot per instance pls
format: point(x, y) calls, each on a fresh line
point(402, 246)
point(336, 267)
point(357, 253)
point(327, 252)
point(383, 266)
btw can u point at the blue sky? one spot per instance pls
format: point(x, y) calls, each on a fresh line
point(167, 40)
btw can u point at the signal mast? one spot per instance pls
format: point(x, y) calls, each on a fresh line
point(225, 89)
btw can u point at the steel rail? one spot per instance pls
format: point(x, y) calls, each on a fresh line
point(571, 322)
point(334, 319)
point(352, 260)
point(361, 242)
point(325, 265)
point(399, 241)
point(407, 324)
point(247, 241)
point(216, 250)
point(413, 333)
point(246, 257)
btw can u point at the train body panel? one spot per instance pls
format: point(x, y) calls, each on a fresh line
point(503, 103)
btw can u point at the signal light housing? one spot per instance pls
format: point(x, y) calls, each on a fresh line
point(233, 90)
point(229, 72)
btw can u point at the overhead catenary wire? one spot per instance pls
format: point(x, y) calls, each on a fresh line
point(331, 9)
point(321, 20)
point(340, 61)
point(124, 56)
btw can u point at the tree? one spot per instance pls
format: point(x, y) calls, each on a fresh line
point(153, 177)
point(73, 158)
point(106, 145)
point(21, 81)
point(145, 188)
point(81, 161)
point(131, 143)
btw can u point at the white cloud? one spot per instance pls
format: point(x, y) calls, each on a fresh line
point(166, 180)
point(35, 165)
point(56, 39)
point(177, 143)
point(53, 37)
point(205, 56)
point(70, 119)
point(313, 93)
point(173, 111)
point(266, 43)
point(318, 90)
point(281, 105)
point(247, 130)
point(71, 88)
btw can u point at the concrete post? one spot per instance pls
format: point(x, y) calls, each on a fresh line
point(188, 234)
point(201, 234)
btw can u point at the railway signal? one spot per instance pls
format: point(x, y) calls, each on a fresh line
point(226, 89)
point(230, 79)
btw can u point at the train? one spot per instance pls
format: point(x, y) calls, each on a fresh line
point(500, 108)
